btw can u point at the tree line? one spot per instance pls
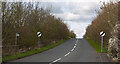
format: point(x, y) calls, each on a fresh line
point(107, 20)
point(27, 19)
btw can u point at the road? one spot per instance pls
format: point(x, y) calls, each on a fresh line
point(73, 50)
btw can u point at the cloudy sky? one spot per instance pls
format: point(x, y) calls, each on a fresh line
point(77, 15)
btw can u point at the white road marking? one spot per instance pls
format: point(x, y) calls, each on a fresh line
point(72, 49)
point(74, 46)
point(55, 60)
point(67, 54)
point(76, 41)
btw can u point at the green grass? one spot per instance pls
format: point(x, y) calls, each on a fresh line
point(96, 46)
point(20, 55)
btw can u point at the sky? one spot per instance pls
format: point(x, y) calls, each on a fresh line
point(77, 14)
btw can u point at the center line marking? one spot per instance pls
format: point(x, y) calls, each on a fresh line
point(56, 60)
point(72, 49)
point(77, 41)
point(67, 54)
point(74, 46)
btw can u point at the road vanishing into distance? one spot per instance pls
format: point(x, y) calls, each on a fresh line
point(73, 50)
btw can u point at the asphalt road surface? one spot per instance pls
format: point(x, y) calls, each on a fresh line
point(73, 50)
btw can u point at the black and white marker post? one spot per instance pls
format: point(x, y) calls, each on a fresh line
point(102, 34)
point(39, 34)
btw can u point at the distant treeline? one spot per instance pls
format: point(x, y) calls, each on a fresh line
point(27, 19)
point(106, 19)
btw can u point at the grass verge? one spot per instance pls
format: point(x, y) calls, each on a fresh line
point(20, 55)
point(96, 46)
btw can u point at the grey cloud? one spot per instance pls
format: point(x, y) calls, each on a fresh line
point(76, 15)
point(57, 8)
point(76, 10)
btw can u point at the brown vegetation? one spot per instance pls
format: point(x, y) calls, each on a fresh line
point(27, 19)
point(108, 20)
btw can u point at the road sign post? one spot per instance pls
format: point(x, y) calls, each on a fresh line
point(102, 34)
point(38, 41)
point(16, 39)
point(39, 34)
point(101, 43)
